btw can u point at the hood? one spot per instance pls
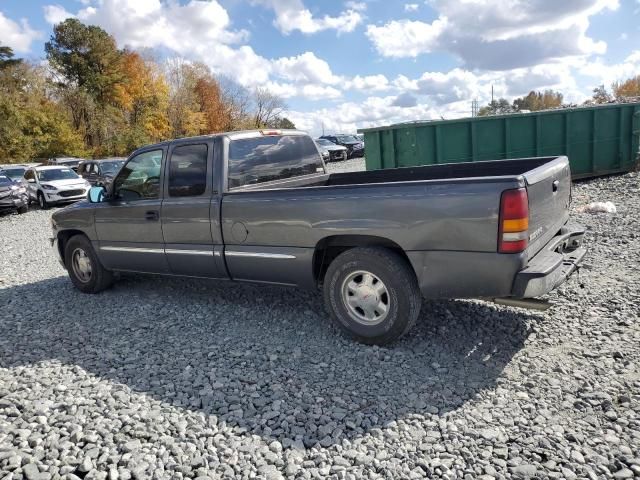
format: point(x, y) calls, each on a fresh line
point(6, 187)
point(72, 182)
point(333, 148)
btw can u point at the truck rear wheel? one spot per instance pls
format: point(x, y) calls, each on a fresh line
point(85, 270)
point(372, 294)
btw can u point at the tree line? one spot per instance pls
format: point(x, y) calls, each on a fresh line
point(550, 99)
point(92, 99)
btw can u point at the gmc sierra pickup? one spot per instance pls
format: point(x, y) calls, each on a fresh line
point(259, 206)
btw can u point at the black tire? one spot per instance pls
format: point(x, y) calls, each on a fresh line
point(42, 201)
point(99, 278)
point(402, 294)
point(23, 209)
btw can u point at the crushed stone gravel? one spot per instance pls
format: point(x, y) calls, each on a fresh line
point(177, 378)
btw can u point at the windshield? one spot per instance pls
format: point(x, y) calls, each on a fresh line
point(347, 139)
point(325, 143)
point(4, 181)
point(111, 167)
point(57, 174)
point(14, 173)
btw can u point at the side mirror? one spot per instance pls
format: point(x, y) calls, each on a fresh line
point(31, 180)
point(96, 195)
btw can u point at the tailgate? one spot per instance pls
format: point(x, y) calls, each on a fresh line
point(549, 191)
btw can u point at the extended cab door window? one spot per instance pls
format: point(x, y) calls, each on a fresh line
point(139, 179)
point(188, 171)
point(268, 158)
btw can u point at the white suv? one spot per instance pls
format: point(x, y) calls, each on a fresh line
point(51, 185)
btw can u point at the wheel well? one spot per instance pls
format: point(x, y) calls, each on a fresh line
point(63, 239)
point(329, 248)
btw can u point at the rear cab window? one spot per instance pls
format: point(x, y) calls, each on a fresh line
point(274, 157)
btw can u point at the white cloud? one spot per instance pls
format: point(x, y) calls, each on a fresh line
point(292, 15)
point(362, 6)
point(603, 73)
point(496, 34)
point(153, 23)
point(199, 30)
point(310, 91)
point(411, 7)
point(305, 68)
point(368, 83)
point(55, 14)
point(17, 35)
point(406, 38)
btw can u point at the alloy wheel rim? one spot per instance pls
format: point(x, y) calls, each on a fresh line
point(366, 298)
point(81, 264)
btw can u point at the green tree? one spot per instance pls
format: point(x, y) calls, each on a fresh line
point(601, 95)
point(496, 107)
point(6, 58)
point(32, 125)
point(283, 123)
point(87, 57)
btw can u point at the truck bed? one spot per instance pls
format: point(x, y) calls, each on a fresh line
point(440, 215)
point(494, 168)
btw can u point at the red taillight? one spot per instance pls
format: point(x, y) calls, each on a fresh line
point(268, 133)
point(513, 234)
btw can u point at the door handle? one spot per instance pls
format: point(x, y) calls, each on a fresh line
point(556, 185)
point(152, 215)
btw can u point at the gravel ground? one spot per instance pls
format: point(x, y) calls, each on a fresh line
point(171, 378)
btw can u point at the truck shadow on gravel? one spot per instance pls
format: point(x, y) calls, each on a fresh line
point(264, 359)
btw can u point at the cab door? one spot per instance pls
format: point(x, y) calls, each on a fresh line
point(129, 225)
point(91, 173)
point(193, 241)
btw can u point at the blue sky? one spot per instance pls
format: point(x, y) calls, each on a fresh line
point(358, 63)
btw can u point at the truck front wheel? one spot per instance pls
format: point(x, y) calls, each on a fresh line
point(372, 295)
point(85, 270)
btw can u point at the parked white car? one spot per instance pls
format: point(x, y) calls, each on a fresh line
point(52, 185)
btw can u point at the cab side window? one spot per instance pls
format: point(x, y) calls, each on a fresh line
point(188, 171)
point(139, 179)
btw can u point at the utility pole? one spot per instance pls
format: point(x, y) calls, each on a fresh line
point(492, 93)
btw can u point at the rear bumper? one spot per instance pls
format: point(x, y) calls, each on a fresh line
point(456, 274)
point(553, 265)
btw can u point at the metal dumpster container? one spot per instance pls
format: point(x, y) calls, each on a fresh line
point(598, 140)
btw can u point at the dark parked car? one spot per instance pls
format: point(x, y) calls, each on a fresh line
point(355, 148)
point(330, 151)
point(260, 207)
point(14, 172)
point(101, 172)
point(13, 195)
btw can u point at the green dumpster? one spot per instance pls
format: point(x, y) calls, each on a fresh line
point(598, 140)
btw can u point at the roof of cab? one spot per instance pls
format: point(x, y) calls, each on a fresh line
point(237, 135)
point(51, 167)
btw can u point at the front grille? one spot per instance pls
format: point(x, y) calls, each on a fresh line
point(71, 193)
point(338, 155)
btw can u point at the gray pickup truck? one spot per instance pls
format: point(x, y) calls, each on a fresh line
point(259, 206)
